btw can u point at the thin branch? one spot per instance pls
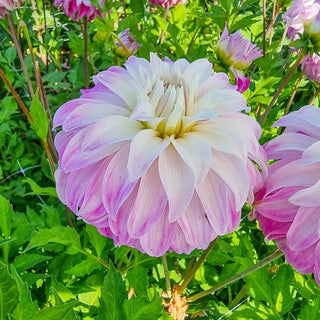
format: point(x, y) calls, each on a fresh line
point(275, 255)
point(166, 273)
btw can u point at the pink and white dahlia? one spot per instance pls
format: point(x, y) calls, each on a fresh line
point(288, 206)
point(164, 3)
point(311, 67)
point(158, 156)
point(127, 45)
point(237, 53)
point(77, 9)
point(299, 15)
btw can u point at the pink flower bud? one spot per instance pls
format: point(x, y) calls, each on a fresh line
point(127, 45)
point(311, 67)
point(164, 3)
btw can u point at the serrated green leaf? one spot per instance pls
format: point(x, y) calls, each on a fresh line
point(26, 306)
point(54, 313)
point(138, 279)
point(139, 308)
point(59, 234)
point(9, 294)
point(113, 295)
point(84, 268)
point(27, 261)
point(36, 189)
point(41, 121)
point(310, 311)
point(96, 239)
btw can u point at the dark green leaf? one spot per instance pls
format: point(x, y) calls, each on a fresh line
point(138, 279)
point(139, 308)
point(113, 295)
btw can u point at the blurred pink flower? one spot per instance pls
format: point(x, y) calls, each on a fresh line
point(6, 5)
point(288, 206)
point(128, 45)
point(311, 67)
point(300, 14)
point(237, 53)
point(77, 9)
point(158, 156)
point(164, 3)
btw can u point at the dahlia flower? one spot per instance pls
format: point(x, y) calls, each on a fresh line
point(311, 67)
point(288, 206)
point(128, 45)
point(158, 156)
point(164, 3)
point(77, 9)
point(237, 53)
point(300, 14)
point(5, 5)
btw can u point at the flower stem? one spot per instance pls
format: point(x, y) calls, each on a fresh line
point(166, 273)
point(314, 96)
point(189, 275)
point(85, 58)
point(264, 10)
point(165, 16)
point(275, 255)
point(15, 95)
point(283, 84)
point(17, 46)
point(286, 110)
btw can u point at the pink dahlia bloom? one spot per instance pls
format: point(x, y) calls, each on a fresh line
point(128, 45)
point(288, 206)
point(237, 53)
point(77, 9)
point(164, 3)
point(158, 155)
point(311, 67)
point(300, 14)
point(5, 5)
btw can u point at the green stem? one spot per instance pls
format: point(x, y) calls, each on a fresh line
point(283, 84)
point(166, 273)
point(190, 275)
point(85, 58)
point(264, 10)
point(275, 255)
point(314, 96)
point(15, 95)
point(20, 55)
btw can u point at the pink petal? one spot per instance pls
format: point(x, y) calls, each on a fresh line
point(116, 186)
point(179, 243)
point(312, 154)
point(214, 195)
point(195, 226)
point(150, 203)
point(92, 112)
point(178, 180)
point(108, 131)
point(195, 152)
point(61, 181)
point(144, 149)
point(304, 230)
point(308, 197)
point(92, 209)
point(233, 171)
point(157, 241)
point(119, 81)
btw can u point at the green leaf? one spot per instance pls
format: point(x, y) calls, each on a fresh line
point(9, 294)
point(59, 234)
point(41, 125)
point(96, 239)
point(138, 279)
point(5, 216)
point(139, 308)
point(26, 306)
point(113, 295)
point(54, 313)
point(36, 189)
point(84, 268)
point(260, 286)
point(27, 261)
point(311, 311)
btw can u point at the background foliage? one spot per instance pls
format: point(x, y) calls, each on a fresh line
point(50, 270)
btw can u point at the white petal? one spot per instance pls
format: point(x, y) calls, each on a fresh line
point(145, 148)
